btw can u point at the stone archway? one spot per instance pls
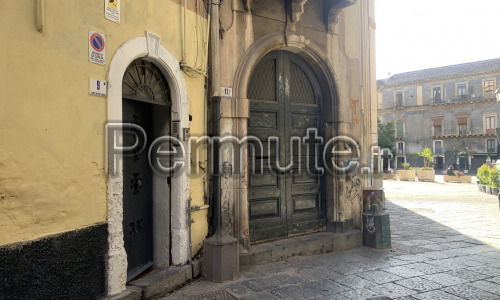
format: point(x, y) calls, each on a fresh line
point(312, 54)
point(149, 47)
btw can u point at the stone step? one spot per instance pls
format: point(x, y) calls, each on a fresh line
point(302, 245)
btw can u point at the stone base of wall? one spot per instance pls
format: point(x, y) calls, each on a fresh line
point(70, 265)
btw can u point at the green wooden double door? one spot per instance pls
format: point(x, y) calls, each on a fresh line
point(285, 101)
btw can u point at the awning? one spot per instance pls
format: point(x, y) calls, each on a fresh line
point(437, 122)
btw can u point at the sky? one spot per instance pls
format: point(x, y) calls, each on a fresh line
point(419, 34)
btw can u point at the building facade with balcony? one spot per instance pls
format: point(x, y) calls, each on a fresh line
point(452, 110)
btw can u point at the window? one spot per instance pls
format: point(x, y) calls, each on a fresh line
point(400, 130)
point(437, 127)
point(489, 124)
point(399, 99)
point(462, 125)
point(438, 147)
point(461, 91)
point(401, 148)
point(489, 88)
point(436, 94)
point(491, 146)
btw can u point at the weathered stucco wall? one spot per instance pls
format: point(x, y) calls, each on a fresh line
point(52, 150)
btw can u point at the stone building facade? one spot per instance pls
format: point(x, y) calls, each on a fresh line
point(452, 110)
point(82, 213)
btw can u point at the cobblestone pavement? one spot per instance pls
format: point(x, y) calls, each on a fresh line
point(445, 245)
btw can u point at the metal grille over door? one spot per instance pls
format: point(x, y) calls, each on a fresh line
point(146, 102)
point(283, 204)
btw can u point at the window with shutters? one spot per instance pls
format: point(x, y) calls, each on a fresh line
point(462, 91)
point(462, 123)
point(398, 100)
point(489, 122)
point(437, 127)
point(489, 88)
point(491, 146)
point(400, 127)
point(436, 95)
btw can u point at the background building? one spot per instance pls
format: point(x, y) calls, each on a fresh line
point(452, 110)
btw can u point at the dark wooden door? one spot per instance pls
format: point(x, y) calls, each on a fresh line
point(138, 191)
point(146, 102)
point(285, 102)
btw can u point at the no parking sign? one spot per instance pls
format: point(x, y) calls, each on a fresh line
point(97, 47)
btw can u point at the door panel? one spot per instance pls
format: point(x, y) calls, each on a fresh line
point(137, 193)
point(284, 203)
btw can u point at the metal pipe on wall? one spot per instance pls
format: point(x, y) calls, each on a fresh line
point(215, 101)
point(40, 15)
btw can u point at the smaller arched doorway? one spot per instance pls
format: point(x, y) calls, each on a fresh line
point(146, 102)
point(285, 101)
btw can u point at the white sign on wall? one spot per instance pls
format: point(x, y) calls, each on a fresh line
point(112, 10)
point(97, 47)
point(226, 92)
point(98, 87)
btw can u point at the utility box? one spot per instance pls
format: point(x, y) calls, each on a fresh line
point(376, 228)
point(221, 258)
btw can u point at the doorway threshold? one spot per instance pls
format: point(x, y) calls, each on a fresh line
point(311, 244)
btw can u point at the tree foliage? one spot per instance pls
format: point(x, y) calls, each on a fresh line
point(428, 159)
point(386, 135)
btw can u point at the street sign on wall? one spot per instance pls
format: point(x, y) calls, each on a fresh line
point(112, 10)
point(97, 47)
point(98, 87)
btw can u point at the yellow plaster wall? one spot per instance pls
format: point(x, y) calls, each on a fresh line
point(52, 131)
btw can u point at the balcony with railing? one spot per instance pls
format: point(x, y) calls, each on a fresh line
point(400, 151)
point(463, 98)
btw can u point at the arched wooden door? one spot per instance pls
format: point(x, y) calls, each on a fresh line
point(285, 101)
point(146, 102)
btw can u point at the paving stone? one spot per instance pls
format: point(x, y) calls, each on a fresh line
point(419, 284)
point(428, 268)
point(403, 271)
point(445, 279)
point(436, 295)
point(467, 274)
point(354, 282)
point(348, 269)
point(435, 246)
point(487, 270)
point(266, 283)
point(494, 279)
point(487, 286)
point(260, 296)
point(468, 291)
point(239, 289)
point(379, 276)
point(414, 258)
point(320, 273)
point(392, 290)
point(356, 294)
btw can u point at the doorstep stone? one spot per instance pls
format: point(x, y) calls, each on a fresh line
point(164, 281)
point(302, 245)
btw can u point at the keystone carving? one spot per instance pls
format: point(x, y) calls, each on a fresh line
point(296, 10)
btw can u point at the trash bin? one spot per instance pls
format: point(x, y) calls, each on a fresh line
point(376, 228)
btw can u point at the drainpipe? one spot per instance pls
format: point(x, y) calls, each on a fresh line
point(221, 254)
point(215, 100)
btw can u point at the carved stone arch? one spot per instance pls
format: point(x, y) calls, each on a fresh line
point(324, 71)
point(148, 47)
